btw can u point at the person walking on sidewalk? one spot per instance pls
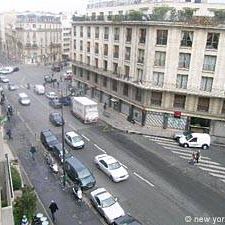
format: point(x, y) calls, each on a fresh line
point(33, 152)
point(53, 207)
point(9, 133)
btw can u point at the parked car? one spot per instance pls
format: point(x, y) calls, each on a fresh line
point(79, 173)
point(57, 152)
point(48, 139)
point(111, 167)
point(74, 140)
point(55, 103)
point(56, 119)
point(15, 69)
point(48, 79)
point(51, 95)
point(196, 140)
point(106, 205)
point(6, 70)
point(56, 68)
point(39, 89)
point(66, 100)
point(24, 99)
point(4, 79)
point(12, 87)
point(126, 220)
point(178, 134)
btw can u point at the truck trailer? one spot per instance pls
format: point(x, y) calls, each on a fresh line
point(85, 109)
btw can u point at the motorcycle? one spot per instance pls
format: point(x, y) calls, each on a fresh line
point(77, 192)
point(52, 164)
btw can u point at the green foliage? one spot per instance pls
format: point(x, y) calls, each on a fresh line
point(16, 179)
point(25, 205)
point(173, 14)
point(135, 15)
point(186, 14)
point(219, 15)
point(159, 13)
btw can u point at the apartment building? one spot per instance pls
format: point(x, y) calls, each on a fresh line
point(40, 36)
point(162, 74)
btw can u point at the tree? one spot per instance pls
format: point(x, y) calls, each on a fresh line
point(135, 15)
point(219, 15)
point(160, 13)
point(25, 205)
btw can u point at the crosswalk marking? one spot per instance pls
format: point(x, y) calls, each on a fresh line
point(205, 163)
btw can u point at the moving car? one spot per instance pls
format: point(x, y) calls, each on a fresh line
point(12, 87)
point(39, 89)
point(126, 220)
point(51, 94)
point(55, 103)
point(106, 205)
point(57, 152)
point(68, 75)
point(66, 100)
point(79, 173)
point(6, 70)
point(196, 140)
point(111, 167)
point(56, 119)
point(178, 134)
point(24, 99)
point(4, 79)
point(48, 139)
point(74, 140)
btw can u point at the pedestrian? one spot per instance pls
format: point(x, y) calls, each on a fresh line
point(57, 83)
point(33, 151)
point(8, 116)
point(61, 79)
point(197, 156)
point(105, 105)
point(53, 207)
point(9, 133)
point(52, 75)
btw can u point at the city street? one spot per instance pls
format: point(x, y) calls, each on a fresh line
point(162, 188)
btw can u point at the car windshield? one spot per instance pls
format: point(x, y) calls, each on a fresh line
point(188, 137)
point(127, 221)
point(108, 202)
point(114, 166)
point(76, 139)
point(25, 99)
point(83, 173)
point(57, 117)
point(51, 138)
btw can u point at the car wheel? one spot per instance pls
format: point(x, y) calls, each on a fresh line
point(185, 145)
point(97, 165)
point(111, 178)
point(204, 147)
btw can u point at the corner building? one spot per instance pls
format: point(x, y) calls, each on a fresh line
point(162, 74)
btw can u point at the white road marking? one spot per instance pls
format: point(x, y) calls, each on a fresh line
point(188, 154)
point(148, 182)
point(124, 166)
point(26, 124)
point(217, 175)
point(222, 180)
point(85, 137)
point(212, 166)
point(99, 148)
point(211, 170)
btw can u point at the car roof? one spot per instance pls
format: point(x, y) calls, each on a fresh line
point(55, 113)
point(104, 195)
point(72, 134)
point(108, 159)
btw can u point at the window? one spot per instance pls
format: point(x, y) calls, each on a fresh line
point(128, 34)
point(96, 78)
point(181, 81)
point(186, 38)
point(96, 32)
point(81, 45)
point(203, 104)
point(156, 98)
point(161, 37)
point(88, 74)
point(105, 50)
point(74, 31)
point(141, 54)
point(106, 33)
point(116, 34)
point(206, 84)
point(142, 35)
point(96, 48)
point(223, 108)
point(105, 63)
point(139, 75)
point(105, 79)
point(88, 46)
point(96, 63)
point(75, 44)
point(209, 63)
point(115, 68)
point(179, 101)
point(138, 94)
point(125, 89)
point(116, 51)
point(114, 85)
point(184, 60)
point(81, 72)
point(158, 79)
point(127, 53)
point(88, 32)
point(81, 57)
point(212, 41)
point(127, 71)
point(81, 31)
point(88, 60)
point(160, 58)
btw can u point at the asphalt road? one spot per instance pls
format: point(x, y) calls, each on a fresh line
point(158, 191)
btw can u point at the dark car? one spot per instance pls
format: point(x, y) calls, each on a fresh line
point(126, 220)
point(66, 101)
point(57, 152)
point(55, 103)
point(48, 139)
point(48, 79)
point(56, 68)
point(56, 118)
point(15, 69)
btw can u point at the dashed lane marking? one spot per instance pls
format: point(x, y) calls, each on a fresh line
point(212, 166)
point(102, 150)
point(188, 154)
point(124, 165)
point(85, 137)
point(145, 180)
point(217, 175)
point(212, 170)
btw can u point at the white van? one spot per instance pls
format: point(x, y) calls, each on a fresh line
point(196, 140)
point(24, 99)
point(39, 89)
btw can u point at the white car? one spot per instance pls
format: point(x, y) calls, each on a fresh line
point(6, 70)
point(111, 167)
point(51, 95)
point(74, 140)
point(106, 204)
point(3, 79)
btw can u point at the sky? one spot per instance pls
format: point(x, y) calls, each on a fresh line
point(43, 5)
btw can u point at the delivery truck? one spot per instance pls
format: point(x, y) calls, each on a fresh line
point(85, 109)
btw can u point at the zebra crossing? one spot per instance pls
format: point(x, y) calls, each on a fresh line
point(206, 164)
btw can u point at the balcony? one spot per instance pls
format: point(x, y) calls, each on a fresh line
point(106, 36)
point(116, 55)
point(142, 40)
point(141, 60)
point(116, 37)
